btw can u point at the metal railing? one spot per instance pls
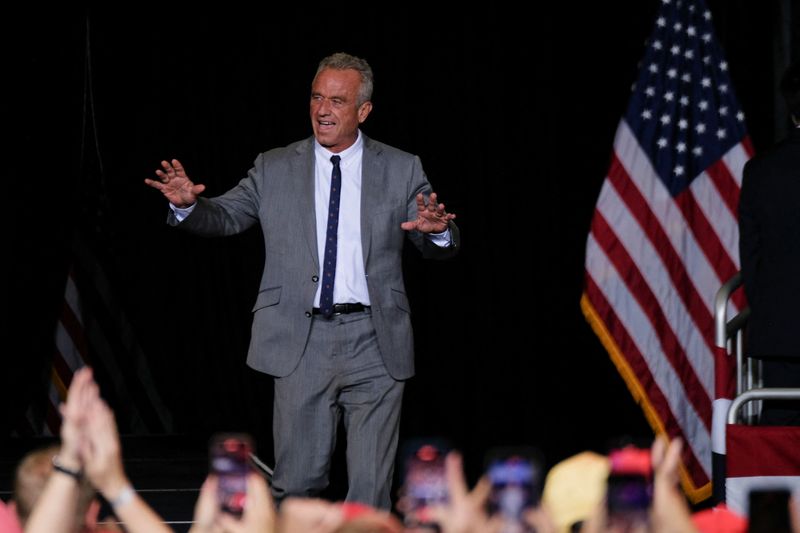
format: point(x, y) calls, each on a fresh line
point(759, 394)
point(729, 334)
point(745, 406)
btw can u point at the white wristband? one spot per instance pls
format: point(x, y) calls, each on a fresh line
point(125, 496)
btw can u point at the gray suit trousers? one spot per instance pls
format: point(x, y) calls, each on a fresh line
point(340, 375)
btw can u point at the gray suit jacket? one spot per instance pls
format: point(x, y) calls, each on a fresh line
point(278, 193)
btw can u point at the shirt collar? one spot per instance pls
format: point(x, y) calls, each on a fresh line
point(347, 154)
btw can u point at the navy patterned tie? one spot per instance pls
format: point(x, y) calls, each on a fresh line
point(329, 267)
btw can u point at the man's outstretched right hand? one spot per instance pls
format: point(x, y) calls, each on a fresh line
point(175, 185)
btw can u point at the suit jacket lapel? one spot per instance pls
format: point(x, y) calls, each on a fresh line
point(372, 187)
point(304, 170)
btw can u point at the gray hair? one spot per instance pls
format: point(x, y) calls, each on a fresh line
point(342, 61)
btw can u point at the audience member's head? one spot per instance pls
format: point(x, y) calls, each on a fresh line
point(575, 488)
point(30, 479)
point(719, 519)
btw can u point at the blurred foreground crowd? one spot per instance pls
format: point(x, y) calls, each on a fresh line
point(61, 489)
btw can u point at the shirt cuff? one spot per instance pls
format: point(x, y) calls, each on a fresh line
point(182, 212)
point(442, 240)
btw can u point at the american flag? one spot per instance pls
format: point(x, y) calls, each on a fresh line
point(70, 353)
point(664, 235)
point(93, 329)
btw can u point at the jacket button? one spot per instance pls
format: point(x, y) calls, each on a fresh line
point(315, 278)
point(308, 314)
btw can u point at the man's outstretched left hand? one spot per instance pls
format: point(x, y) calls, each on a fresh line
point(431, 218)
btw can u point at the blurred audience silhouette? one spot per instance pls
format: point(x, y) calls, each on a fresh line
point(56, 490)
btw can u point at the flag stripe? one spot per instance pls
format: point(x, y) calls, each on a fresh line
point(763, 450)
point(71, 355)
point(63, 372)
point(57, 393)
point(717, 256)
point(720, 210)
point(735, 159)
point(58, 389)
point(70, 339)
point(694, 348)
point(726, 189)
point(662, 339)
point(671, 262)
point(692, 259)
point(716, 211)
point(641, 379)
point(640, 345)
point(737, 490)
point(747, 144)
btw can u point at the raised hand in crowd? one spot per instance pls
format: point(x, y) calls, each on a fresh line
point(669, 512)
point(465, 511)
point(55, 509)
point(258, 515)
point(101, 455)
point(90, 447)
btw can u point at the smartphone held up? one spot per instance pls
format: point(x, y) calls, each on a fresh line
point(630, 489)
point(424, 481)
point(229, 460)
point(516, 476)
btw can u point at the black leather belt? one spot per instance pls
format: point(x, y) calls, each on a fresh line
point(343, 309)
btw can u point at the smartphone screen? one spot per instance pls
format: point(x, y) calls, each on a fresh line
point(769, 511)
point(628, 499)
point(424, 480)
point(516, 476)
point(230, 461)
point(629, 491)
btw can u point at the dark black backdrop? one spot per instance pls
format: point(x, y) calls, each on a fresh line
point(512, 113)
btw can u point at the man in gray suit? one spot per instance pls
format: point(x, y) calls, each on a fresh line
point(331, 322)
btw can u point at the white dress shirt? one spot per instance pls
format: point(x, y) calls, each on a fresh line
point(350, 282)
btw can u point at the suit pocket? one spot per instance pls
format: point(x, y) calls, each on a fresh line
point(267, 298)
point(401, 300)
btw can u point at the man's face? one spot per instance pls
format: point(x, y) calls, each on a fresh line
point(335, 114)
